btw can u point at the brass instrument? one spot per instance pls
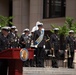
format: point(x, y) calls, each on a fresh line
point(53, 55)
point(69, 51)
point(74, 60)
point(48, 38)
point(67, 55)
point(66, 58)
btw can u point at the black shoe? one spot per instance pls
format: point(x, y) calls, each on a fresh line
point(32, 66)
point(37, 66)
point(26, 65)
point(71, 67)
point(41, 66)
point(54, 66)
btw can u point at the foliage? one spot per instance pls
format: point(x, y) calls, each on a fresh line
point(53, 26)
point(69, 22)
point(68, 25)
point(4, 21)
point(63, 30)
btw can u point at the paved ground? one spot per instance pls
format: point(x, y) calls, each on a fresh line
point(48, 71)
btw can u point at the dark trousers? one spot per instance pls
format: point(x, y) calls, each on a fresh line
point(55, 59)
point(70, 60)
point(26, 63)
point(3, 67)
point(40, 57)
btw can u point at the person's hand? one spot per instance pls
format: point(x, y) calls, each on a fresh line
point(23, 43)
point(52, 48)
point(59, 50)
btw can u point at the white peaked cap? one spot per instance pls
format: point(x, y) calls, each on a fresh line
point(16, 29)
point(43, 29)
point(9, 28)
point(13, 27)
point(6, 28)
point(26, 29)
point(38, 23)
point(71, 31)
point(23, 33)
point(56, 29)
point(34, 28)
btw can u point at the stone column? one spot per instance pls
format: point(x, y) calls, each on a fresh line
point(36, 10)
point(71, 8)
point(4, 7)
point(21, 14)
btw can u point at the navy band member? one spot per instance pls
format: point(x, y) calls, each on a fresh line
point(25, 41)
point(14, 38)
point(4, 44)
point(40, 44)
point(55, 47)
point(70, 43)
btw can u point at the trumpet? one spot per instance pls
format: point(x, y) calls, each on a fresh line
point(53, 55)
point(48, 38)
point(69, 51)
point(66, 57)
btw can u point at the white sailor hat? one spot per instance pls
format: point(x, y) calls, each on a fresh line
point(43, 29)
point(32, 30)
point(23, 33)
point(9, 28)
point(39, 23)
point(71, 31)
point(13, 27)
point(56, 29)
point(16, 30)
point(26, 29)
point(6, 28)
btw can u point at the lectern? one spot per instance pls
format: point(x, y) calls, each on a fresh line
point(14, 62)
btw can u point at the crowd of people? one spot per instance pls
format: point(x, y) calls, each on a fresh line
point(36, 39)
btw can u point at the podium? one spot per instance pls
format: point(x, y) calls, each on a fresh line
point(15, 64)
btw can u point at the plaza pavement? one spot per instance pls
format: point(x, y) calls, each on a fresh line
point(48, 71)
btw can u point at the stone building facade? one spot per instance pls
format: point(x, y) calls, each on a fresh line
point(27, 12)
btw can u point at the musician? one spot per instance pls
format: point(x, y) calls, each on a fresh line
point(25, 41)
point(4, 44)
point(14, 38)
point(54, 42)
point(70, 40)
point(16, 31)
point(39, 43)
